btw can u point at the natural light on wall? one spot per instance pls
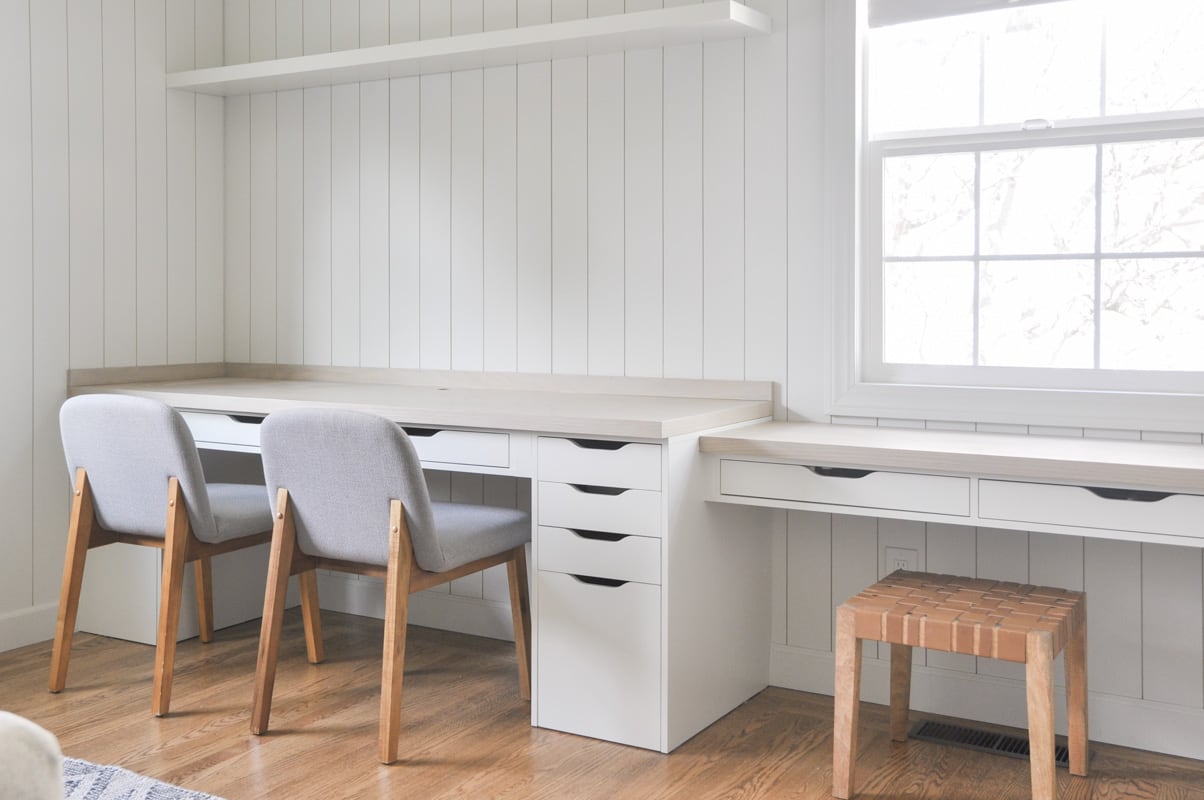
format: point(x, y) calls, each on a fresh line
point(1035, 196)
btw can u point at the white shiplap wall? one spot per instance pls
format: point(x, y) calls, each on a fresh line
point(111, 230)
point(604, 215)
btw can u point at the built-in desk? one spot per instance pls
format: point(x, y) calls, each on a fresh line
point(650, 619)
point(1140, 491)
point(1130, 501)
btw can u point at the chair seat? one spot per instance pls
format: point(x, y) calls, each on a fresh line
point(238, 510)
point(469, 532)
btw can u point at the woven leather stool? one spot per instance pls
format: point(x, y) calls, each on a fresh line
point(1008, 621)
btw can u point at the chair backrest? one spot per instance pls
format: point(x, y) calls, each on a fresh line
point(131, 447)
point(342, 469)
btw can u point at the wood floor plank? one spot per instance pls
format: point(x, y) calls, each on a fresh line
point(466, 733)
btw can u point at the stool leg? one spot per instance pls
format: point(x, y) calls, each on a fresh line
point(1039, 678)
point(848, 701)
point(900, 690)
point(1076, 698)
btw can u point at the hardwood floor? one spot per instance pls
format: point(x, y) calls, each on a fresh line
point(466, 733)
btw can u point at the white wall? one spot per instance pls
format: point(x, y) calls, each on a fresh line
point(111, 231)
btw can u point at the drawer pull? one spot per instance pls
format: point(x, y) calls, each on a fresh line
point(599, 536)
point(592, 581)
point(607, 490)
point(1133, 495)
point(840, 472)
point(419, 432)
point(598, 444)
point(246, 419)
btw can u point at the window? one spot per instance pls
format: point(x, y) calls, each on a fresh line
point(1034, 196)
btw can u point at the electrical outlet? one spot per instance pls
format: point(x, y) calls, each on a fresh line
point(902, 558)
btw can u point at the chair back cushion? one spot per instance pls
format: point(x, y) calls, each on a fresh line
point(131, 447)
point(342, 469)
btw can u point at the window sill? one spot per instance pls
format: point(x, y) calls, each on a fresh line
point(1051, 407)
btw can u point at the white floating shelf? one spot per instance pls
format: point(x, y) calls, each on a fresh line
point(708, 21)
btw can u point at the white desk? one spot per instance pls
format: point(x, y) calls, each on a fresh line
point(650, 619)
point(1138, 491)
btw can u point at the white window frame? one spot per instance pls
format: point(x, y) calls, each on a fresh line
point(860, 385)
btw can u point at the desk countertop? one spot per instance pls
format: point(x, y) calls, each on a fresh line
point(579, 413)
point(1087, 462)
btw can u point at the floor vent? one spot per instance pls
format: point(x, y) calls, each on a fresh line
point(1004, 744)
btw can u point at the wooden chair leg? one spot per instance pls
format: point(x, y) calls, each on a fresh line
point(397, 594)
point(1076, 697)
point(900, 690)
point(280, 559)
point(848, 701)
point(203, 569)
point(520, 609)
point(175, 546)
point(1039, 680)
point(311, 616)
point(78, 533)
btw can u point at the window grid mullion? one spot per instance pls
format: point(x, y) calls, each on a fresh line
point(1097, 318)
point(1098, 278)
point(977, 254)
point(1085, 256)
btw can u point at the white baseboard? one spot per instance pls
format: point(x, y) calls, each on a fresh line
point(27, 626)
point(1127, 721)
point(433, 609)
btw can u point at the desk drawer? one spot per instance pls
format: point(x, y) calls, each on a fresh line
point(1078, 506)
point(477, 448)
point(630, 465)
point(599, 659)
point(898, 491)
point(629, 558)
point(223, 429)
point(633, 511)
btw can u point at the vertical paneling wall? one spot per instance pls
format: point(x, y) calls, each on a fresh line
point(619, 214)
point(111, 234)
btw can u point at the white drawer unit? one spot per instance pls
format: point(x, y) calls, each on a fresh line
point(1083, 507)
point(896, 491)
point(600, 555)
point(599, 659)
point(596, 508)
point(475, 448)
point(223, 431)
point(596, 462)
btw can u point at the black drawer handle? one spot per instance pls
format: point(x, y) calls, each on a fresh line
point(246, 419)
point(599, 536)
point(599, 444)
point(592, 581)
point(1133, 495)
point(419, 433)
point(587, 489)
point(840, 472)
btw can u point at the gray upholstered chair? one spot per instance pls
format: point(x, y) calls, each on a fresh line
point(138, 480)
point(350, 496)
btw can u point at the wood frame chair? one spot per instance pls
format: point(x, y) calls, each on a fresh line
point(1014, 622)
point(178, 541)
point(402, 575)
